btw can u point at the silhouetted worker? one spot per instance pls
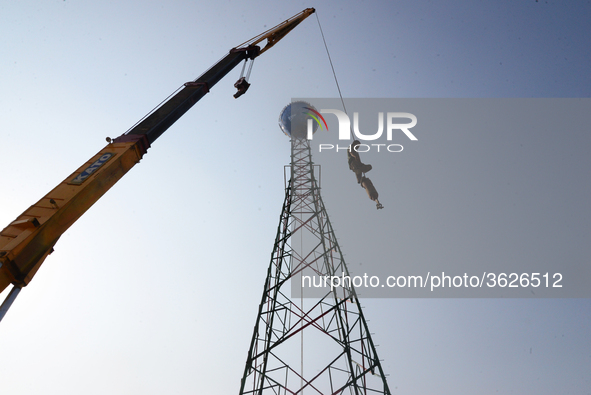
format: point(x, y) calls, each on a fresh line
point(355, 162)
point(371, 191)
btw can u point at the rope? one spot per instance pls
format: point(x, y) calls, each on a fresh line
point(336, 80)
point(331, 65)
point(333, 71)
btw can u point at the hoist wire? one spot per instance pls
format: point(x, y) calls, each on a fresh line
point(249, 69)
point(331, 64)
point(336, 80)
point(243, 68)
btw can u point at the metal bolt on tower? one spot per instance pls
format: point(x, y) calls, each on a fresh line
point(319, 344)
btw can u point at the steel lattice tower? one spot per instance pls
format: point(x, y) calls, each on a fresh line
point(314, 345)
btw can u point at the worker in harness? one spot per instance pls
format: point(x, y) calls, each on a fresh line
point(355, 163)
point(360, 168)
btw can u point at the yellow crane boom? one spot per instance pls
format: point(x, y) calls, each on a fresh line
point(28, 240)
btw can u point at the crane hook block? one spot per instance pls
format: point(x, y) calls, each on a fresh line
point(242, 87)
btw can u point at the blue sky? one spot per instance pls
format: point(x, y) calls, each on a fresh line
point(155, 290)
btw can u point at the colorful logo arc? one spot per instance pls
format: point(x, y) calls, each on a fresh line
point(317, 115)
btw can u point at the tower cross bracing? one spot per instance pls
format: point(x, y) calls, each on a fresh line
point(319, 342)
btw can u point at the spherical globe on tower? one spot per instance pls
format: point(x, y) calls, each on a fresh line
point(294, 117)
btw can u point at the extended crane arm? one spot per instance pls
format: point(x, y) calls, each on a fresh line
point(28, 240)
point(276, 33)
point(157, 122)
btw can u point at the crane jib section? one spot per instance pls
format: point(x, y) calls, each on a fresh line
point(28, 240)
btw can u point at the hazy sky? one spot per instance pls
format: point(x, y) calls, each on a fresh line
point(156, 289)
